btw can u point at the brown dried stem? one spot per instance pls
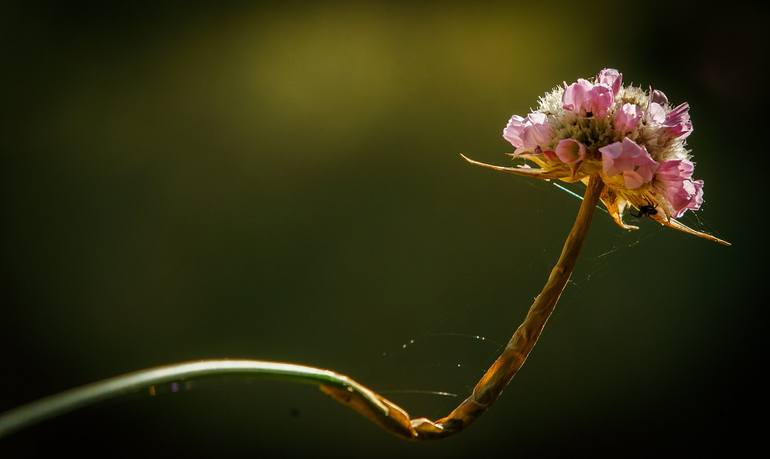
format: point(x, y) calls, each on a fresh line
point(491, 385)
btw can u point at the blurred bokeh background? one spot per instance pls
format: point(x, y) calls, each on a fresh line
point(282, 181)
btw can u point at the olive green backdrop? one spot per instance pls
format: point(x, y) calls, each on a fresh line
point(283, 182)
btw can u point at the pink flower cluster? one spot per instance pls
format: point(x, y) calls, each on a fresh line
point(602, 127)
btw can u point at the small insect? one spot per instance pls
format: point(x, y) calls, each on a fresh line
point(646, 210)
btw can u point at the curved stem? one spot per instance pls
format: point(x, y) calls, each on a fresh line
point(378, 409)
point(491, 385)
point(368, 402)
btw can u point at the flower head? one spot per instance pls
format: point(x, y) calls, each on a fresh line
point(630, 137)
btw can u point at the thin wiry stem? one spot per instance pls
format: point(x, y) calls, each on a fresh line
point(378, 409)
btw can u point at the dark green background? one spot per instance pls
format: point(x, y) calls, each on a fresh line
point(283, 182)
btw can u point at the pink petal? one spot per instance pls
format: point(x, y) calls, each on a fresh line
point(687, 195)
point(656, 113)
point(513, 131)
point(629, 159)
point(677, 122)
point(576, 95)
point(584, 97)
point(632, 179)
point(611, 154)
point(600, 100)
point(675, 170)
point(537, 130)
point(612, 78)
point(674, 179)
point(570, 151)
point(627, 118)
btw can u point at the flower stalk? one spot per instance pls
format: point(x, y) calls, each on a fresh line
point(497, 377)
point(345, 390)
